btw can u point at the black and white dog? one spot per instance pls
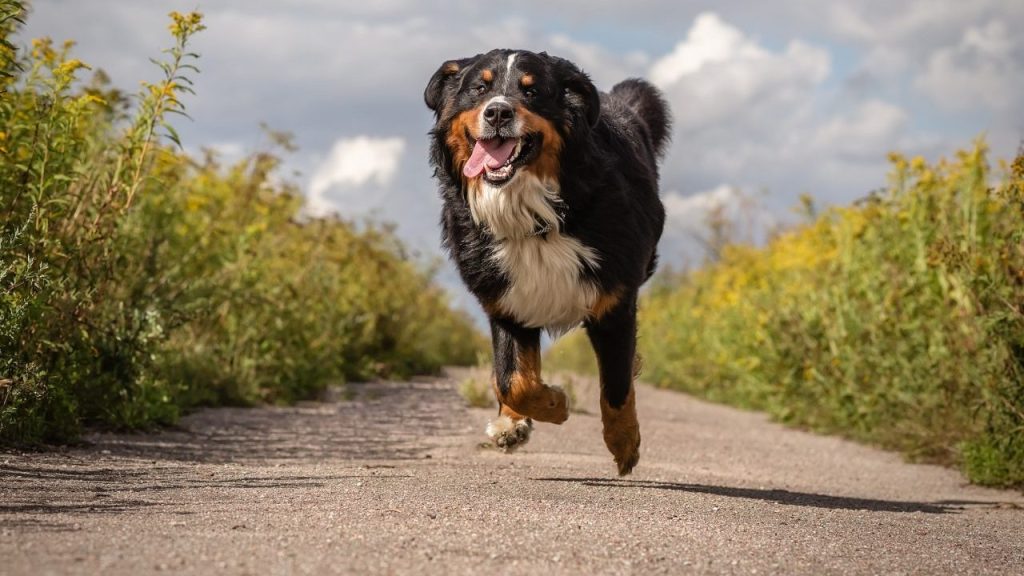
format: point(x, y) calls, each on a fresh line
point(551, 212)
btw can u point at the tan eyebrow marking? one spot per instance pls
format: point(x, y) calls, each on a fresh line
point(487, 75)
point(451, 68)
point(527, 80)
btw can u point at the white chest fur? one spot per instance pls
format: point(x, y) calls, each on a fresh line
point(546, 288)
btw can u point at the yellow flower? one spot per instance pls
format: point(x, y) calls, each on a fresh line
point(70, 67)
point(185, 24)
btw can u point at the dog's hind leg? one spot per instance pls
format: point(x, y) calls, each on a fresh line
point(613, 336)
point(518, 386)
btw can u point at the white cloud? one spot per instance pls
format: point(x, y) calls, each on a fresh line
point(718, 74)
point(865, 133)
point(687, 219)
point(743, 112)
point(688, 213)
point(710, 40)
point(604, 67)
point(898, 37)
point(986, 65)
point(355, 162)
point(767, 119)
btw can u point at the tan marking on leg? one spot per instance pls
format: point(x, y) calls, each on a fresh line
point(529, 396)
point(504, 409)
point(604, 303)
point(622, 432)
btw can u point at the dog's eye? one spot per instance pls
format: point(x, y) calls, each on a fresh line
point(529, 92)
point(480, 88)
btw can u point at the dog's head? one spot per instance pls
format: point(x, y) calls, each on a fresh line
point(508, 111)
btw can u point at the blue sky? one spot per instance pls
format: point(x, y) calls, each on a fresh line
point(771, 99)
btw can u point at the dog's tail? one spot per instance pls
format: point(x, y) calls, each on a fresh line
point(648, 103)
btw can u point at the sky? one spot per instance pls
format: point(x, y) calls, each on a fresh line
point(771, 99)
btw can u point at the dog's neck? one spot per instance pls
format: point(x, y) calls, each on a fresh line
point(522, 208)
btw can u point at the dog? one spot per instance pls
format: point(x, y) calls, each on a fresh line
point(551, 214)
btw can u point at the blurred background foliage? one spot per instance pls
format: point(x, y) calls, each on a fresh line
point(137, 281)
point(897, 321)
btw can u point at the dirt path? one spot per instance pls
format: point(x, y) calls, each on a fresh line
point(394, 482)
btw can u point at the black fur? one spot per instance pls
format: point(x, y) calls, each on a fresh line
point(511, 341)
point(608, 185)
point(614, 340)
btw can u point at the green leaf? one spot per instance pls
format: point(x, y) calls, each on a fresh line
point(172, 134)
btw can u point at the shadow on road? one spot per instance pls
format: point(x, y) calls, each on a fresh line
point(75, 492)
point(785, 497)
point(384, 420)
point(95, 507)
point(120, 473)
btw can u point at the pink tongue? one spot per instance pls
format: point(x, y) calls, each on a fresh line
point(491, 153)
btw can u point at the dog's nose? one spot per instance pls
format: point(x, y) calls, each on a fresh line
point(497, 114)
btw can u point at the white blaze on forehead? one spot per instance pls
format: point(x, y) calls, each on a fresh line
point(508, 68)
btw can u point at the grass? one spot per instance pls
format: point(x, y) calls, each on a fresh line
point(476, 390)
point(898, 321)
point(137, 282)
point(571, 384)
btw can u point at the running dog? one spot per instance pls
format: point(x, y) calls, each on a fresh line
point(552, 216)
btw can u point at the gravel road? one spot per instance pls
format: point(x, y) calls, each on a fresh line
point(395, 481)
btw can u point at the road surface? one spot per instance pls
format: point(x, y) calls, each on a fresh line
point(395, 481)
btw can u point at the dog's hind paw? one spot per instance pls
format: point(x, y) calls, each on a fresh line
point(625, 449)
point(508, 434)
point(622, 432)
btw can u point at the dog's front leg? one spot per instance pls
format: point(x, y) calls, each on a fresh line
point(613, 336)
point(518, 386)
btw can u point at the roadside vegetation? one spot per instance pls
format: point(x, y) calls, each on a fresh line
point(897, 321)
point(137, 281)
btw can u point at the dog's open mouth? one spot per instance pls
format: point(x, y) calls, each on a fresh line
point(499, 158)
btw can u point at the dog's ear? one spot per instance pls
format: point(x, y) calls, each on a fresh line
point(579, 91)
point(448, 72)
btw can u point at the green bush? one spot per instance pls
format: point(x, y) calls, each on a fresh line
point(136, 281)
point(897, 321)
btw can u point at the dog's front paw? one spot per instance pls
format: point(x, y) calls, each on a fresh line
point(508, 434)
point(559, 405)
point(543, 404)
